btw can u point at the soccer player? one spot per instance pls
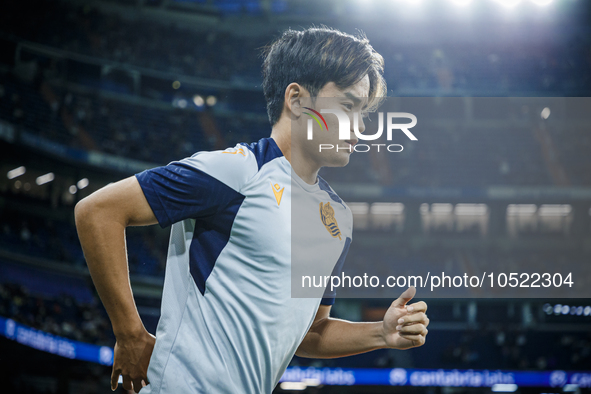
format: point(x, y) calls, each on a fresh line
point(228, 322)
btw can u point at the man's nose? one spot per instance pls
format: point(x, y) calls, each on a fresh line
point(360, 123)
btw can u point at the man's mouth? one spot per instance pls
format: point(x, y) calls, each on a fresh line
point(349, 147)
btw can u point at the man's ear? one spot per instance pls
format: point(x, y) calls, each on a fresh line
point(293, 95)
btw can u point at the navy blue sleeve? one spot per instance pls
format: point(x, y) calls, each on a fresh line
point(181, 191)
point(329, 296)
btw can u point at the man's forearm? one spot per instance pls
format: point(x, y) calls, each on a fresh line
point(331, 338)
point(103, 242)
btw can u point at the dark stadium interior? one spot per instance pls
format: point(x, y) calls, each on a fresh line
point(92, 92)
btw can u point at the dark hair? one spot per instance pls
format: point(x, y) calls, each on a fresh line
point(315, 57)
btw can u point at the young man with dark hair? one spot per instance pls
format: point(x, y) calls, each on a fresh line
point(229, 323)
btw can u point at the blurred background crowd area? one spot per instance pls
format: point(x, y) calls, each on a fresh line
point(91, 92)
point(80, 28)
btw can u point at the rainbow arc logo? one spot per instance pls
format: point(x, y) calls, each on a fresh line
point(316, 118)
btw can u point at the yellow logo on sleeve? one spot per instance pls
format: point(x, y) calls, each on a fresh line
point(329, 221)
point(239, 150)
point(278, 193)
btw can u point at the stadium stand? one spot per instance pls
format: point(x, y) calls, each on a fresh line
point(59, 91)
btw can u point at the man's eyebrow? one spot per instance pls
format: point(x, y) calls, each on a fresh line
point(356, 100)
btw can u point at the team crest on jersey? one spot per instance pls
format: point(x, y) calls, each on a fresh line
point(329, 221)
